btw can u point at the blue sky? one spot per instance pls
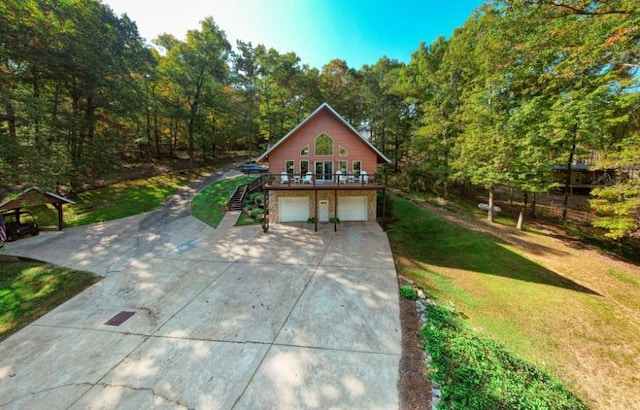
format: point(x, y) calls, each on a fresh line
point(318, 31)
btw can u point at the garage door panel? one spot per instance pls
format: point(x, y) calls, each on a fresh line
point(294, 209)
point(352, 208)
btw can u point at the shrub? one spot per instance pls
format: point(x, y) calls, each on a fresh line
point(408, 292)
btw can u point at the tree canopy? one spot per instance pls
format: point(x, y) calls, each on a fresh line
point(523, 85)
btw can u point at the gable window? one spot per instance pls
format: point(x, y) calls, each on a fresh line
point(343, 151)
point(357, 166)
point(304, 152)
point(324, 145)
point(288, 166)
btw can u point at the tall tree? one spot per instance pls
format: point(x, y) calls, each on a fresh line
point(196, 66)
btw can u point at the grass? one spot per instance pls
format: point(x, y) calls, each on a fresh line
point(29, 289)
point(116, 201)
point(209, 205)
point(574, 316)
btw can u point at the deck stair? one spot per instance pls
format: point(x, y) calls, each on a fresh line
point(237, 198)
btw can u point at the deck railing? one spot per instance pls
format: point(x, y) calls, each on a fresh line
point(344, 181)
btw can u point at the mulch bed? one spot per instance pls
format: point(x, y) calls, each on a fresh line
point(414, 385)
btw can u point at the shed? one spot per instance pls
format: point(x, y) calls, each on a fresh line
point(35, 196)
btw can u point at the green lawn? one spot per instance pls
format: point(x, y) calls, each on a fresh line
point(119, 200)
point(566, 313)
point(209, 205)
point(29, 289)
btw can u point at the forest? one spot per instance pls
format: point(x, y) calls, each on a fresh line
point(522, 86)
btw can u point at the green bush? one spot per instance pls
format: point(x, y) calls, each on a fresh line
point(408, 292)
point(477, 373)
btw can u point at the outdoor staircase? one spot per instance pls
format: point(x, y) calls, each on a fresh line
point(235, 203)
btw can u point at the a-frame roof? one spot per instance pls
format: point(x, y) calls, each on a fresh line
point(324, 107)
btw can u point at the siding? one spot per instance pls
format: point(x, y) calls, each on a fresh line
point(323, 122)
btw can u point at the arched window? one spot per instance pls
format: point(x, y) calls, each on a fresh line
point(324, 145)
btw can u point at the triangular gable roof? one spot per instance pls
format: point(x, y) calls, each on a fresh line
point(50, 197)
point(324, 106)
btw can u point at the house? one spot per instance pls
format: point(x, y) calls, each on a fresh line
point(321, 170)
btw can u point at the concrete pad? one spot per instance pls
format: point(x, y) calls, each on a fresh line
point(154, 289)
point(362, 304)
point(301, 378)
point(228, 245)
point(191, 373)
point(125, 398)
point(287, 244)
point(359, 244)
point(247, 303)
point(50, 365)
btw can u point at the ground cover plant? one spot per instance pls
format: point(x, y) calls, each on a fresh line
point(474, 372)
point(570, 311)
point(29, 289)
point(209, 205)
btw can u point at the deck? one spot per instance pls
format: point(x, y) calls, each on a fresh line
point(322, 182)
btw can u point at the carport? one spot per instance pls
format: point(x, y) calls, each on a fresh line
point(35, 196)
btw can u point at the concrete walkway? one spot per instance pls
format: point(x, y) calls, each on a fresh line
point(230, 318)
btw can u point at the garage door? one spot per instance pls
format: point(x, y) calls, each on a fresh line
point(294, 209)
point(352, 208)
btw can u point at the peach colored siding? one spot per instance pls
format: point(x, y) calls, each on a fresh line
point(306, 135)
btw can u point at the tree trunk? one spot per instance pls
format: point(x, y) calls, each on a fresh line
point(569, 180)
point(490, 211)
point(445, 137)
point(156, 132)
point(533, 205)
point(520, 223)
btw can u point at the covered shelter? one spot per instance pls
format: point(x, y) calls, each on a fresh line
point(35, 196)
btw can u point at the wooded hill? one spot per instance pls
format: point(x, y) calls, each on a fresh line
point(522, 86)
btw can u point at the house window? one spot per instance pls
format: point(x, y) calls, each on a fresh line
point(357, 166)
point(304, 152)
point(342, 167)
point(324, 171)
point(304, 167)
point(288, 166)
point(324, 145)
point(343, 152)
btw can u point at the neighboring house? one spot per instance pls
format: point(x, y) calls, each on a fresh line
point(323, 169)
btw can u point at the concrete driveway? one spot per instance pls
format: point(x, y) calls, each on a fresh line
point(222, 319)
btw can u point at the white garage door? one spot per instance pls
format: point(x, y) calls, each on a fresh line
point(294, 209)
point(352, 208)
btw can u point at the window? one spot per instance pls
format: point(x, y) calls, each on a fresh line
point(324, 145)
point(304, 167)
point(288, 166)
point(342, 167)
point(357, 167)
point(304, 152)
point(324, 170)
point(343, 152)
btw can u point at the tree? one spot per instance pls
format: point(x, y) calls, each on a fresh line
point(196, 66)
